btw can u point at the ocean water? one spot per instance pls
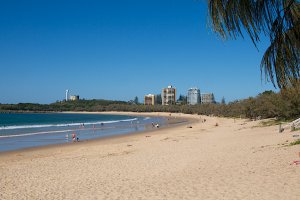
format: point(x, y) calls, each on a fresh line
point(23, 130)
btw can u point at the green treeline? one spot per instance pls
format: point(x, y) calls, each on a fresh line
point(283, 105)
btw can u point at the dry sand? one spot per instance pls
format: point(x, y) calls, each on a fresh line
point(234, 160)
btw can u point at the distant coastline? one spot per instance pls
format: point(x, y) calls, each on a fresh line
point(284, 105)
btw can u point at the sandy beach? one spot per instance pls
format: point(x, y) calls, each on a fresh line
point(237, 159)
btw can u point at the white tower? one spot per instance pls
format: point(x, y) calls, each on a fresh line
point(67, 95)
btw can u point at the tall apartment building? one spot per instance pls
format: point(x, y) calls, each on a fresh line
point(150, 99)
point(208, 98)
point(168, 95)
point(193, 96)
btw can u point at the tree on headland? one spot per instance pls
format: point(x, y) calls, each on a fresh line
point(279, 20)
point(158, 99)
point(223, 100)
point(136, 100)
point(182, 99)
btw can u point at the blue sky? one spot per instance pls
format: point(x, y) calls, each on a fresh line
point(118, 50)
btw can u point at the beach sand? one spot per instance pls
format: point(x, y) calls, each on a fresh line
point(237, 159)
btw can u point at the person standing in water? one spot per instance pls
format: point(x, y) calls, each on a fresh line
point(74, 136)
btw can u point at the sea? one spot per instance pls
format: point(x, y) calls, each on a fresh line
point(25, 130)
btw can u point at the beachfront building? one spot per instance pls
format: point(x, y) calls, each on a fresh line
point(193, 96)
point(168, 95)
point(150, 99)
point(207, 98)
point(74, 97)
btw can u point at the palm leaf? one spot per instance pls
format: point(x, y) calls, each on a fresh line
point(277, 19)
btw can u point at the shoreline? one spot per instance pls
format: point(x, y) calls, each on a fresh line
point(217, 159)
point(176, 121)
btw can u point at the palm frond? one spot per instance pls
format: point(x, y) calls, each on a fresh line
point(277, 19)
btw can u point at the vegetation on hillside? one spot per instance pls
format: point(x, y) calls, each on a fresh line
point(283, 105)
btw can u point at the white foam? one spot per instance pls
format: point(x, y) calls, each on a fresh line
point(37, 133)
point(62, 125)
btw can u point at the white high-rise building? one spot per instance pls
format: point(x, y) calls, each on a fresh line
point(67, 95)
point(193, 96)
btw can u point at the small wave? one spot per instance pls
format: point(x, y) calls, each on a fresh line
point(37, 133)
point(62, 125)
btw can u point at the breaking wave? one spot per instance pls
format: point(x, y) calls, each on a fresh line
point(63, 125)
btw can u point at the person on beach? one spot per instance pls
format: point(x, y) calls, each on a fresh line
point(74, 137)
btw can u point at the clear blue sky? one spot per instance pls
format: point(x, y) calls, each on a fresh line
point(104, 49)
